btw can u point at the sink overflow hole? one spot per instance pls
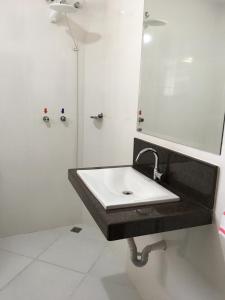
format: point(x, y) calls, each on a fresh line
point(127, 193)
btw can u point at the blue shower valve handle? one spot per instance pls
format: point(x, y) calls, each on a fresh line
point(62, 110)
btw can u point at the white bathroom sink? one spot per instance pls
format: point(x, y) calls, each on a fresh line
point(124, 187)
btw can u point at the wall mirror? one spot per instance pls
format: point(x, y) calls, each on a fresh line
point(182, 84)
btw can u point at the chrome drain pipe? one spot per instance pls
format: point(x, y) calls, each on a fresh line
point(140, 259)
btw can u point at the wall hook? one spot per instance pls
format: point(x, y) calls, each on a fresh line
point(97, 117)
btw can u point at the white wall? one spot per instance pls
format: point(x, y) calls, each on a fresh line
point(193, 266)
point(37, 70)
point(110, 77)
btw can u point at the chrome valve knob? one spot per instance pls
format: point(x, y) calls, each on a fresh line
point(63, 118)
point(46, 119)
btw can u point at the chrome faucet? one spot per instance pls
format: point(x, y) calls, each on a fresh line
point(156, 173)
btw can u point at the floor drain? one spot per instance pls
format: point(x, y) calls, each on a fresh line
point(127, 193)
point(76, 229)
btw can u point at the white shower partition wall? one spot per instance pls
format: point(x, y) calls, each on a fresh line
point(38, 70)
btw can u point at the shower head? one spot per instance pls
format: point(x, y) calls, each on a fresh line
point(64, 7)
point(60, 8)
point(154, 22)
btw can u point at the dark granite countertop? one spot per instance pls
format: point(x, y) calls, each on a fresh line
point(129, 222)
point(194, 181)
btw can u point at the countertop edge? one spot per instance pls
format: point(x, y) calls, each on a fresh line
point(118, 224)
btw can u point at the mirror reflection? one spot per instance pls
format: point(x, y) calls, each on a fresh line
point(183, 72)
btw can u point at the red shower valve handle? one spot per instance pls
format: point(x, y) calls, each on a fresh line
point(45, 110)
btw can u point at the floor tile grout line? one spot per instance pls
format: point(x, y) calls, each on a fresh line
point(17, 275)
point(62, 267)
point(59, 235)
point(99, 240)
point(16, 253)
point(42, 261)
point(78, 286)
point(33, 257)
point(70, 269)
point(96, 261)
point(50, 245)
point(33, 260)
point(37, 259)
point(83, 275)
point(79, 238)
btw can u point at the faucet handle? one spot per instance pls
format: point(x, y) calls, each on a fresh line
point(158, 175)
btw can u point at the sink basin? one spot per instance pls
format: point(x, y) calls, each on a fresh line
point(124, 187)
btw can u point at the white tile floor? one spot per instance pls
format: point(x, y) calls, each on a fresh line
point(61, 265)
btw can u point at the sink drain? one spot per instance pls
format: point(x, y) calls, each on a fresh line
point(127, 193)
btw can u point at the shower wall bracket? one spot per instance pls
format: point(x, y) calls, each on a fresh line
point(140, 259)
